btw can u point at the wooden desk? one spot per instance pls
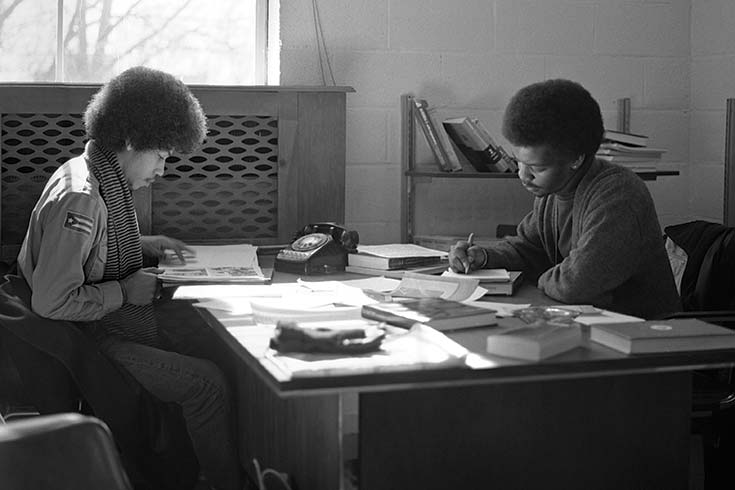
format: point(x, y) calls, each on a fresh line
point(588, 418)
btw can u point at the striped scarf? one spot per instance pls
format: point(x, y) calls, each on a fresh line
point(124, 252)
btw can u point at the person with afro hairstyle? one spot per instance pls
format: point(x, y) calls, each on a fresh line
point(82, 255)
point(593, 236)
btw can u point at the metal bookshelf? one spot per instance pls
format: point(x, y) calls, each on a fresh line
point(409, 172)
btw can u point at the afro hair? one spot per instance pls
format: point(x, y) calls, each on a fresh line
point(560, 114)
point(147, 109)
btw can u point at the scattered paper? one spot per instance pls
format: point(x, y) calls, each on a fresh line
point(203, 291)
point(421, 347)
point(501, 309)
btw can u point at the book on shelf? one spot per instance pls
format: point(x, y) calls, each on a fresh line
point(506, 162)
point(436, 137)
point(621, 149)
point(681, 334)
point(469, 141)
point(441, 314)
point(631, 139)
point(636, 164)
point(395, 256)
point(490, 280)
point(437, 268)
point(534, 343)
point(626, 158)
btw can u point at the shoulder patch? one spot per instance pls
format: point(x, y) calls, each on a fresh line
point(78, 222)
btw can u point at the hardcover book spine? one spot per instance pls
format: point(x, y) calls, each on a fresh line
point(477, 159)
point(432, 137)
point(504, 161)
point(382, 316)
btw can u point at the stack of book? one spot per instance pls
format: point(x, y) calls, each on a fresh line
point(629, 150)
point(381, 260)
point(472, 140)
point(495, 281)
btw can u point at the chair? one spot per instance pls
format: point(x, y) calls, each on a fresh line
point(60, 451)
point(708, 293)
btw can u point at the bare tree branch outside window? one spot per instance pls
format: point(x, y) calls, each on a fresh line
point(198, 40)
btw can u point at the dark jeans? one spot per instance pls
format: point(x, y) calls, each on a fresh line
point(200, 388)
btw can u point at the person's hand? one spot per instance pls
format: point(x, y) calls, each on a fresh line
point(156, 246)
point(142, 286)
point(464, 258)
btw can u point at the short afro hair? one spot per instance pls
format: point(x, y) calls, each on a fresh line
point(560, 114)
point(148, 109)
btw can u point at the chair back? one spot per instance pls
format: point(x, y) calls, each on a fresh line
point(60, 452)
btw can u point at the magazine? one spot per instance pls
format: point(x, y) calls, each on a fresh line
point(214, 264)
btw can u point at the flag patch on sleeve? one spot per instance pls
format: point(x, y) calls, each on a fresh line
point(78, 222)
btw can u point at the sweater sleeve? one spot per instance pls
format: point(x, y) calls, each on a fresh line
point(525, 251)
point(609, 248)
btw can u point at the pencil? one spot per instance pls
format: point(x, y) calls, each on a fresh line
point(469, 244)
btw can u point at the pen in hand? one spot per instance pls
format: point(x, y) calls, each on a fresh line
point(469, 244)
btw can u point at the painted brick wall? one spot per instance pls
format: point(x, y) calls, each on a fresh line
point(712, 83)
point(467, 57)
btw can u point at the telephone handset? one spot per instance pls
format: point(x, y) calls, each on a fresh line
point(319, 248)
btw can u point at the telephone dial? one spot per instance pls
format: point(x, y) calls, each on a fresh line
point(319, 248)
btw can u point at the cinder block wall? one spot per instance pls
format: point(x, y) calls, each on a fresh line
point(467, 57)
point(712, 83)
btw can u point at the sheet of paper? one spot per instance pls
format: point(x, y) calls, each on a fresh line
point(414, 285)
point(200, 291)
point(268, 311)
point(396, 250)
point(236, 306)
point(489, 275)
point(380, 283)
point(421, 347)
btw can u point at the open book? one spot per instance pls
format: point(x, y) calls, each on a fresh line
point(214, 264)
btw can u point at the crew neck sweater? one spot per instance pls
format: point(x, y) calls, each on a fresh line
point(598, 241)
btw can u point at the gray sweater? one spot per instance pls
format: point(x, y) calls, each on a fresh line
point(597, 242)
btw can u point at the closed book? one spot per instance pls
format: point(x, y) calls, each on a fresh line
point(612, 148)
point(507, 288)
point(626, 158)
point(681, 334)
point(436, 138)
point(388, 263)
point(398, 273)
point(441, 314)
point(497, 282)
point(534, 343)
point(625, 138)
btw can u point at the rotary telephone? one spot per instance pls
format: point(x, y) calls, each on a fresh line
point(319, 248)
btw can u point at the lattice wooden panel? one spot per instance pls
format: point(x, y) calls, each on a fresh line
point(32, 146)
point(227, 189)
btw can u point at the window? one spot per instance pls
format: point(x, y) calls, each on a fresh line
point(222, 42)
